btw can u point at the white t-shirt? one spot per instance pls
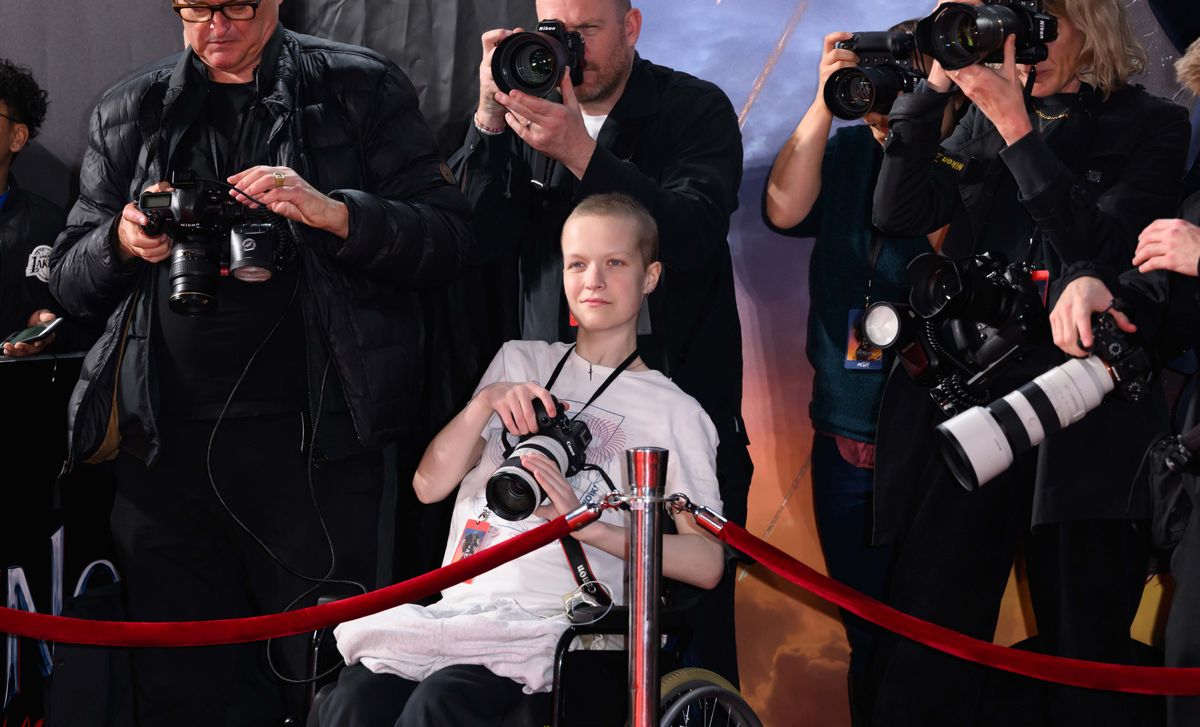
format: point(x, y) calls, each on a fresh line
point(593, 125)
point(639, 409)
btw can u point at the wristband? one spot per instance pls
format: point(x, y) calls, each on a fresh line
point(487, 130)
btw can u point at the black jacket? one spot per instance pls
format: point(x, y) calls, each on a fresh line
point(28, 225)
point(347, 121)
point(672, 142)
point(1113, 168)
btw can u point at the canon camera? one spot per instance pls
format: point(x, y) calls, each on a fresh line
point(512, 491)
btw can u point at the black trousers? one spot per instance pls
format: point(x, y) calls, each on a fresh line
point(1183, 624)
point(463, 696)
point(182, 557)
point(1086, 580)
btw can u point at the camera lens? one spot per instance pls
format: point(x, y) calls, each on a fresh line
point(535, 65)
point(982, 442)
point(935, 281)
point(851, 93)
point(195, 267)
point(959, 35)
point(512, 493)
point(529, 62)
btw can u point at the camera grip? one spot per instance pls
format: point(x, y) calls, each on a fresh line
point(155, 224)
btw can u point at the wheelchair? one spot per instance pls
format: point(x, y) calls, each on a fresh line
point(591, 688)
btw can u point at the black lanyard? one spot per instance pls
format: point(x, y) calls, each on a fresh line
point(611, 377)
point(580, 569)
point(872, 262)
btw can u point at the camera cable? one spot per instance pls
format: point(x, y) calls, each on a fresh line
point(316, 582)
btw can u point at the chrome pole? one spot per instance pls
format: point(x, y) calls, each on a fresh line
point(647, 469)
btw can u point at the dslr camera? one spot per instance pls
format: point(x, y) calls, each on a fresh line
point(966, 321)
point(983, 441)
point(213, 235)
point(534, 62)
point(959, 35)
point(512, 491)
point(885, 68)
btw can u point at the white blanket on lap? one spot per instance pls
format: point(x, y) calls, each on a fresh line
point(414, 641)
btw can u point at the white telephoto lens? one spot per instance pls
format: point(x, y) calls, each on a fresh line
point(975, 447)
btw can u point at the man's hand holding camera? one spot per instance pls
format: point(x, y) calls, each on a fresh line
point(1071, 319)
point(490, 113)
point(287, 194)
point(555, 129)
point(132, 240)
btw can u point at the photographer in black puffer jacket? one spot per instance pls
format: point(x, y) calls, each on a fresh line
point(246, 436)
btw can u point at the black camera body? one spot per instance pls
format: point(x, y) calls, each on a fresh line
point(959, 35)
point(534, 62)
point(885, 68)
point(1129, 362)
point(512, 491)
point(213, 235)
point(966, 321)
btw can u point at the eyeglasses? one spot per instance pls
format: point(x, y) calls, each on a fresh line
point(13, 120)
point(242, 10)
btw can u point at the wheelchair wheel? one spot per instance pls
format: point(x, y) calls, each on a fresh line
point(701, 697)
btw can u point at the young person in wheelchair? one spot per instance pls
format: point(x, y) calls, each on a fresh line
point(468, 659)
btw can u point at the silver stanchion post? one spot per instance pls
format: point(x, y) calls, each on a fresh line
point(647, 469)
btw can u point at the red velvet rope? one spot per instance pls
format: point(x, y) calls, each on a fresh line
point(259, 628)
point(1074, 672)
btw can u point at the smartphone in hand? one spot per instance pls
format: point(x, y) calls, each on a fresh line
point(33, 334)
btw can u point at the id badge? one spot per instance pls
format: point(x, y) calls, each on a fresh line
point(860, 354)
point(471, 540)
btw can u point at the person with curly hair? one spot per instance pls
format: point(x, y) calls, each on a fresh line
point(28, 223)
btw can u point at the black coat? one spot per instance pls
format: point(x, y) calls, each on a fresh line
point(1112, 169)
point(672, 142)
point(347, 121)
point(28, 225)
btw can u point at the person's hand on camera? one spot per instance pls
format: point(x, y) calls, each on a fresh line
point(1071, 319)
point(17, 350)
point(132, 240)
point(287, 194)
point(513, 402)
point(562, 497)
point(998, 93)
point(555, 129)
point(489, 113)
point(833, 59)
point(1169, 245)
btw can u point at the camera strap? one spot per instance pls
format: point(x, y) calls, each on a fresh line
point(581, 570)
point(872, 262)
point(611, 377)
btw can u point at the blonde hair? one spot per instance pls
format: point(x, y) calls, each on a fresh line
point(1111, 54)
point(615, 204)
point(1187, 68)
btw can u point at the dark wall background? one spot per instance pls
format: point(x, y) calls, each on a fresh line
point(77, 49)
